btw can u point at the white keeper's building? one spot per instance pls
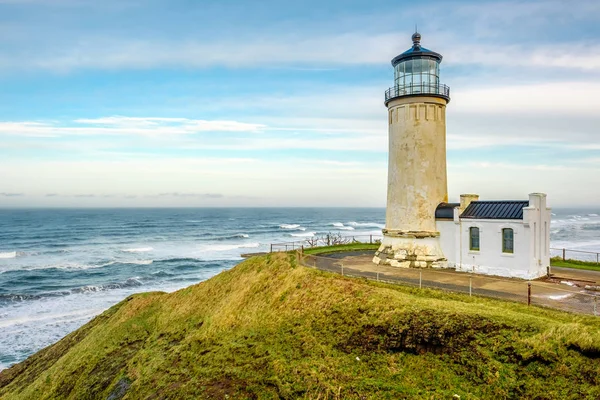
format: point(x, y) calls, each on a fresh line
point(505, 238)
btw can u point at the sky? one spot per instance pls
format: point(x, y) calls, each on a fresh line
point(156, 103)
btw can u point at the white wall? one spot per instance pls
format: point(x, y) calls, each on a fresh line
point(448, 239)
point(490, 259)
point(530, 258)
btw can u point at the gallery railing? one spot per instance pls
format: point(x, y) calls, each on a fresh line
point(417, 89)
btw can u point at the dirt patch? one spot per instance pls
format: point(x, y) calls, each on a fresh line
point(227, 388)
point(425, 332)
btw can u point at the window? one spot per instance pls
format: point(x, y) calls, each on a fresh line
point(474, 238)
point(507, 240)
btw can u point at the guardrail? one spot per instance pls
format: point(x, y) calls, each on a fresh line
point(324, 240)
point(579, 255)
point(416, 89)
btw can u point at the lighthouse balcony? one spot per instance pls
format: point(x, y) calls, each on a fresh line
point(417, 89)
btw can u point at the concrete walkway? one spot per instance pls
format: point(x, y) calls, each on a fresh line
point(565, 289)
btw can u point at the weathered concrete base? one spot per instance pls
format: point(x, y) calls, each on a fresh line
point(411, 252)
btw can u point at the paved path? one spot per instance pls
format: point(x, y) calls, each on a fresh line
point(564, 290)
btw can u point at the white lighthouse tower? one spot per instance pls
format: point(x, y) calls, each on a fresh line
point(417, 181)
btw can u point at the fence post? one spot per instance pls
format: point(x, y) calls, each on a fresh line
point(271, 248)
point(377, 276)
point(528, 293)
point(564, 254)
point(371, 239)
point(420, 279)
point(470, 286)
point(342, 269)
point(597, 258)
point(595, 305)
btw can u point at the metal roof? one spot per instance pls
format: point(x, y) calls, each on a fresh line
point(445, 210)
point(416, 52)
point(507, 209)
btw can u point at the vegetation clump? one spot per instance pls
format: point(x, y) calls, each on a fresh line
point(576, 264)
point(269, 328)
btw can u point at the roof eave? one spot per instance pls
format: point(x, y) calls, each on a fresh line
point(416, 54)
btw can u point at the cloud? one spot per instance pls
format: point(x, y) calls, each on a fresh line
point(51, 194)
point(84, 195)
point(200, 195)
point(4, 194)
point(355, 48)
point(123, 126)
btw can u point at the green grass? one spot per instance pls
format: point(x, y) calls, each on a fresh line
point(341, 248)
point(576, 264)
point(271, 329)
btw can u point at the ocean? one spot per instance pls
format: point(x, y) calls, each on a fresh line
point(59, 268)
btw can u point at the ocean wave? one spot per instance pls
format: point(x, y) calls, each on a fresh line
point(592, 215)
point(337, 224)
point(345, 228)
point(137, 262)
point(130, 282)
point(138, 250)
point(366, 224)
point(305, 234)
point(232, 237)
point(179, 260)
point(162, 273)
point(228, 247)
point(289, 226)
point(9, 254)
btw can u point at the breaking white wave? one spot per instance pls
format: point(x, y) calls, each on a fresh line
point(305, 234)
point(138, 250)
point(289, 226)
point(346, 228)
point(10, 254)
point(228, 247)
point(592, 215)
point(337, 224)
point(138, 262)
point(366, 225)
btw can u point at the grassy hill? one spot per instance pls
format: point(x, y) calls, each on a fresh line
point(271, 329)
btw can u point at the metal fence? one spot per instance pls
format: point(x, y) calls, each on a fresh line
point(324, 240)
point(580, 255)
point(545, 294)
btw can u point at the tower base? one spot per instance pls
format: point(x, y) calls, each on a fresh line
point(410, 250)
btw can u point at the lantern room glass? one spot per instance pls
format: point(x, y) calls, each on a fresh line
point(417, 75)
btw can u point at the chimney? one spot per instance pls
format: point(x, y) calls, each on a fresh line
point(537, 200)
point(465, 200)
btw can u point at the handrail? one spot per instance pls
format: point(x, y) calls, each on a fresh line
point(417, 89)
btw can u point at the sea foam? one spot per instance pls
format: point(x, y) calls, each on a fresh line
point(10, 254)
point(228, 247)
point(305, 234)
point(138, 250)
point(289, 226)
point(366, 224)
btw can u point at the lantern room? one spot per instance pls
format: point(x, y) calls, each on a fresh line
point(417, 72)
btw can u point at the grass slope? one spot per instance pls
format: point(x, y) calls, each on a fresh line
point(576, 264)
point(341, 248)
point(271, 329)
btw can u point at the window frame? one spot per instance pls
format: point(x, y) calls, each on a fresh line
point(471, 246)
point(505, 249)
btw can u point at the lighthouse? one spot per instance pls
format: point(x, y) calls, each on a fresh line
point(417, 180)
